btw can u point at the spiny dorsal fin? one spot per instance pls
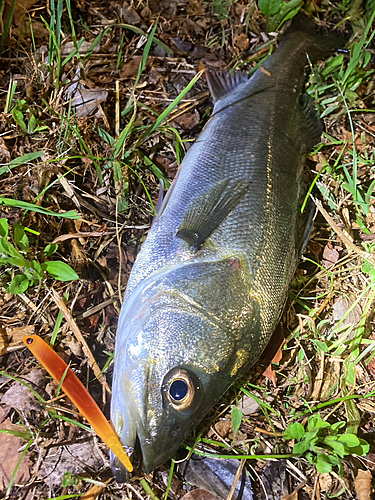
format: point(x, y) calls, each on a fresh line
point(207, 212)
point(222, 83)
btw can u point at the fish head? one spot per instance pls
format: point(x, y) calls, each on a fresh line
point(175, 357)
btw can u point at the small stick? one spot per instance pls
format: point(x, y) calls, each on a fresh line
point(236, 479)
point(342, 235)
point(77, 332)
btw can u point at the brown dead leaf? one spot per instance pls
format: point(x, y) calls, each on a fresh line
point(325, 482)
point(20, 8)
point(188, 120)
point(166, 8)
point(371, 367)
point(4, 152)
point(270, 374)
point(10, 455)
point(195, 8)
point(271, 354)
point(33, 28)
point(331, 378)
point(275, 479)
point(224, 428)
point(12, 337)
point(95, 491)
point(130, 16)
point(130, 68)
point(362, 484)
point(199, 494)
point(242, 42)
point(330, 255)
point(345, 305)
point(292, 496)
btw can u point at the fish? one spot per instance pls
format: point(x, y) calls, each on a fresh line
point(210, 282)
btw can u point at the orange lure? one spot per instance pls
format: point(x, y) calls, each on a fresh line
point(78, 394)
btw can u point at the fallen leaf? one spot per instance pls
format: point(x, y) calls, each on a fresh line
point(10, 454)
point(224, 428)
point(129, 15)
point(74, 458)
point(271, 354)
point(12, 337)
point(166, 8)
point(199, 494)
point(20, 397)
point(215, 477)
point(292, 496)
point(331, 378)
point(325, 482)
point(4, 152)
point(270, 374)
point(188, 120)
point(20, 8)
point(84, 47)
point(371, 367)
point(330, 255)
point(85, 102)
point(248, 405)
point(344, 305)
point(362, 484)
point(95, 491)
point(130, 68)
point(242, 42)
point(275, 479)
point(195, 8)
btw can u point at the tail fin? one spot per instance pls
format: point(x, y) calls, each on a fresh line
point(320, 42)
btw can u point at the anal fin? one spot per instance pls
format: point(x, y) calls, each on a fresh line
point(207, 212)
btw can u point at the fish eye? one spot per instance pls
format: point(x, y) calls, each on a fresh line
point(180, 390)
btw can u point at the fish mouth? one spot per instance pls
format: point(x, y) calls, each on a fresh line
point(142, 463)
point(120, 473)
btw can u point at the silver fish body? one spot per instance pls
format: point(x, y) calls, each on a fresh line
point(210, 282)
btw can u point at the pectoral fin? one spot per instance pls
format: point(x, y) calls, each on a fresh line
point(207, 212)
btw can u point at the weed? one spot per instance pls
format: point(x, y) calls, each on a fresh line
point(236, 420)
point(30, 272)
point(26, 118)
point(221, 8)
point(322, 445)
point(7, 23)
point(277, 12)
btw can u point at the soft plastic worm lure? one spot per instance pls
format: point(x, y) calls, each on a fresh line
point(78, 394)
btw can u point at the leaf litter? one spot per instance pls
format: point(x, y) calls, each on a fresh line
point(111, 179)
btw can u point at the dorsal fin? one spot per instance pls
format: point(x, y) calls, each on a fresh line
point(222, 83)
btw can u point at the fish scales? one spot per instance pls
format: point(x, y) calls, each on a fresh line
point(210, 282)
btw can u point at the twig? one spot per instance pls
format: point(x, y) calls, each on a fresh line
point(236, 479)
point(342, 235)
point(77, 332)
